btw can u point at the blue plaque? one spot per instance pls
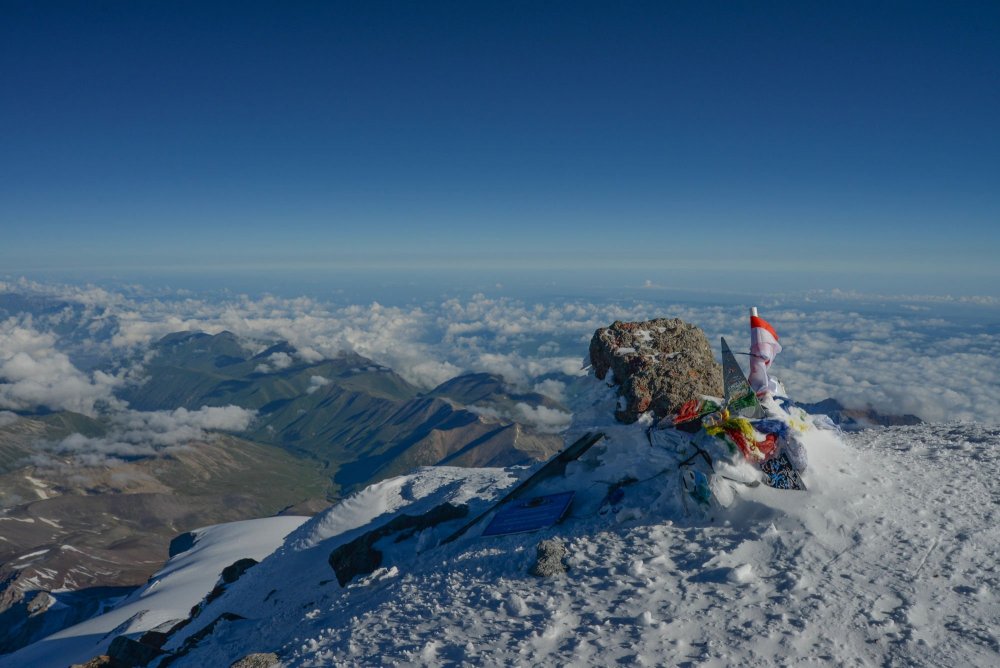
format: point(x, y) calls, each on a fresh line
point(532, 514)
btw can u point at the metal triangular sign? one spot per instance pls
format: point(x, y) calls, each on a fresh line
point(740, 398)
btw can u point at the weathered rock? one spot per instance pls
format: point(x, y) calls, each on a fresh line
point(155, 639)
point(550, 557)
point(658, 365)
point(359, 557)
point(102, 661)
point(258, 660)
point(131, 653)
point(39, 602)
point(181, 543)
point(234, 571)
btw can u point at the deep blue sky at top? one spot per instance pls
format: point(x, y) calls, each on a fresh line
point(834, 139)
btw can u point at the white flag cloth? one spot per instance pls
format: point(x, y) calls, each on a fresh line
point(763, 348)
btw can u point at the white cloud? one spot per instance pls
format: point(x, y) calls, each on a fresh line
point(275, 362)
point(33, 373)
point(8, 418)
point(837, 294)
point(548, 348)
point(544, 419)
point(550, 420)
point(150, 433)
point(554, 389)
point(316, 382)
point(839, 344)
point(929, 366)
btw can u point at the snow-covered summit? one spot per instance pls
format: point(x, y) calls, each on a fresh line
point(888, 558)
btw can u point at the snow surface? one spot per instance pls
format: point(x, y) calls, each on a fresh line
point(889, 558)
point(168, 596)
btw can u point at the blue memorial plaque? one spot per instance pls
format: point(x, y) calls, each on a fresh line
point(532, 514)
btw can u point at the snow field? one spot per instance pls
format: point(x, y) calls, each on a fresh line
point(890, 558)
point(884, 561)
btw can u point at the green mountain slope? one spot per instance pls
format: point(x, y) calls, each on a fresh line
point(362, 421)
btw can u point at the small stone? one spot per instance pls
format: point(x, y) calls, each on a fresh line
point(550, 558)
point(257, 660)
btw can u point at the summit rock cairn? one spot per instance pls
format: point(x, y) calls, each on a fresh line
point(657, 365)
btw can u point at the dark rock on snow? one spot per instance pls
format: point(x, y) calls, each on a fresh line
point(550, 558)
point(258, 660)
point(360, 557)
point(658, 365)
point(128, 652)
point(155, 639)
point(181, 543)
point(234, 571)
point(102, 661)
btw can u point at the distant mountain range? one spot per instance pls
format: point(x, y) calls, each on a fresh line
point(360, 421)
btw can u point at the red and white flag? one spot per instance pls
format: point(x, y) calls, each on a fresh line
point(763, 348)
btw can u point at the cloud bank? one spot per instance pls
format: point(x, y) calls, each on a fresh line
point(934, 357)
point(35, 374)
point(151, 433)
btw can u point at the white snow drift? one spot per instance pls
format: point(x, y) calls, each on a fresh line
point(890, 558)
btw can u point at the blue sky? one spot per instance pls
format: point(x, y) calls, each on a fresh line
point(849, 145)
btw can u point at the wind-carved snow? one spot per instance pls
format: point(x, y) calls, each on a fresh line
point(382, 498)
point(896, 557)
point(889, 558)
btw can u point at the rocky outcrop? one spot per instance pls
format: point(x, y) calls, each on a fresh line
point(235, 571)
point(102, 661)
point(360, 557)
point(181, 543)
point(658, 365)
point(128, 652)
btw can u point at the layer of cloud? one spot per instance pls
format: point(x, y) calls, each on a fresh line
point(916, 357)
point(936, 368)
point(544, 419)
point(35, 374)
point(541, 418)
point(152, 433)
point(316, 382)
point(275, 362)
point(554, 389)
